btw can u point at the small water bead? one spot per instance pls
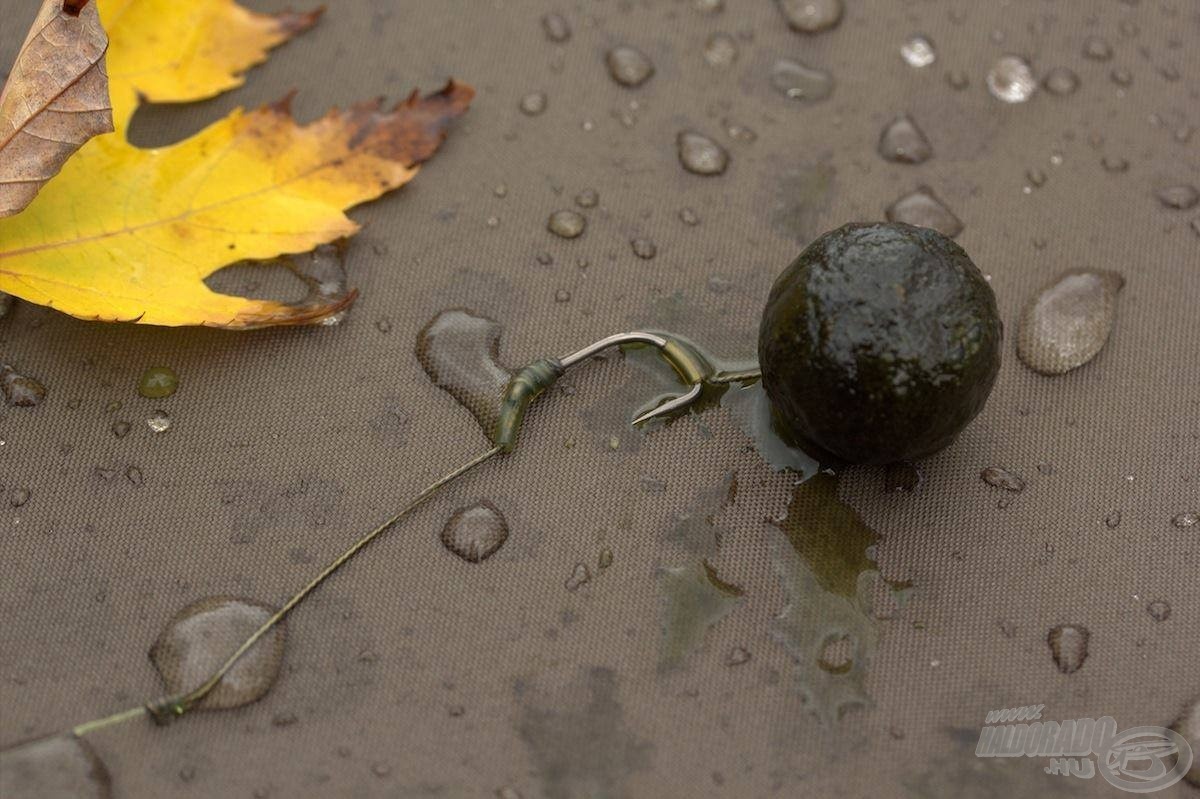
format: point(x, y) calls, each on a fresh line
point(923, 209)
point(580, 575)
point(1097, 48)
point(508, 793)
point(383, 325)
point(737, 656)
point(562, 295)
point(544, 258)
point(1186, 520)
point(918, 51)
point(1114, 164)
point(1121, 77)
point(644, 248)
point(629, 66)
point(811, 16)
point(500, 190)
point(1069, 646)
point(159, 422)
point(1113, 520)
point(1036, 177)
point(739, 132)
point(134, 475)
point(1182, 197)
point(588, 198)
point(158, 382)
point(798, 81)
point(1068, 321)
point(475, 532)
point(701, 155)
point(605, 559)
point(904, 143)
point(20, 390)
point(719, 284)
point(1002, 478)
point(1011, 80)
point(709, 6)
point(493, 221)
point(18, 497)
point(1159, 610)
point(533, 103)
point(381, 769)
point(957, 79)
point(199, 639)
point(556, 27)
point(1061, 82)
point(566, 223)
point(689, 217)
point(720, 51)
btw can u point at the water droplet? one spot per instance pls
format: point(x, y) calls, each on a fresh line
point(1121, 76)
point(923, 209)
point(1186, 519)
point(1097, 49)
point(644, 248)
point(694, 599)
point(460, 351)
point(1002, 478)
point(1159, 610)
point(18, 497)
point(901, 477)
point(566, 223)
point(719, 284)
point(1114, 164)
point(709, 6)
point(579, 576)
point(720, 51)
point(629, 66)
point(918, 51)
point(957, 79)
point(134, 475)
point(533, 103)
point(1068, 322)
point(689, 217)
point(159, 422)
point(701, 155)
point(801, 82)
point(202, 636)
point(562, 295)
point(556, 27)
point(508, 793)
point(811, 16)
point(1011, 80)
point(903, 142)
point(737, 656)
point(1182, 197)
point(19, 390)
point(493, 221)
point(739, 132)
point(1069, 646)
point(158, 382)
point(61, 766)
point(1036, 177)
point(500, 190)
point(381, 769)
point(1113, 520)
point(605, 559)
point(121, 429)
point(588, 198)
point(1061, 82)
point(475, 532)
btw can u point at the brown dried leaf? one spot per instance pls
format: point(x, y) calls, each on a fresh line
point(55, 99)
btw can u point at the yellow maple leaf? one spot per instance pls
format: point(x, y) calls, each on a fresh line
point(129, 234)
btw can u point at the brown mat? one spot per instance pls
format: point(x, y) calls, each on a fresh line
point(414, 673)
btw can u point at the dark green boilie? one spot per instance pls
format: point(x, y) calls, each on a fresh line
point(879, 343)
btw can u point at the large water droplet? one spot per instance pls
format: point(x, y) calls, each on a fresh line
point(811, 16)
point(202, 636)
point(801, 82)
point(1069, 646)
point(701, 155)
point(1182, 197)
point(475, 532)
point(903, 142)
point(566, 223)
point(918, 51)
point(1011, 80)
point(158, 382)
point(629, 66)
point(923, 209)
point(20, 390)
point(1068, 322)
point(58, 767)
point(460, 351)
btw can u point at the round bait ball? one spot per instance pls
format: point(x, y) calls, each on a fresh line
point(879, 343)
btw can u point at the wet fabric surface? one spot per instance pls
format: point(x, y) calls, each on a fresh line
point(417, 673)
